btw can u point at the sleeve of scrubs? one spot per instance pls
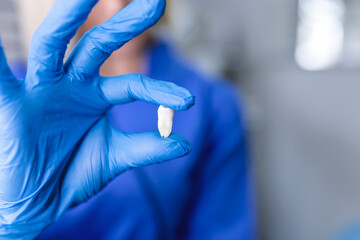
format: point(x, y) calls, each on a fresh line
point(224, 202)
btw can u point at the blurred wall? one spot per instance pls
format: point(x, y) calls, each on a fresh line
point(304, 125)
point(9, 30)
point(307, 153)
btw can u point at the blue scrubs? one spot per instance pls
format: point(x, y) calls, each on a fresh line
point(206, 195)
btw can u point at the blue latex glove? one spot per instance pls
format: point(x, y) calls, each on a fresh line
point(57, 148)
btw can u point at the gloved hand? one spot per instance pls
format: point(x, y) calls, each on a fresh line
point(57, 148)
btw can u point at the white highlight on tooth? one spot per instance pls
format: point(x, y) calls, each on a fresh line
point(165, 121)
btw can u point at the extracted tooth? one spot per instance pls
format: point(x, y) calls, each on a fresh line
point(165, 121)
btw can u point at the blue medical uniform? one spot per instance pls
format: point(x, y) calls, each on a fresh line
point(205, 195)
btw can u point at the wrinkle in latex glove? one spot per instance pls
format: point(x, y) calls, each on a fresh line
point(57, 148)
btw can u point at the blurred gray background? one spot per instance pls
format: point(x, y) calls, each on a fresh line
point(302, 111)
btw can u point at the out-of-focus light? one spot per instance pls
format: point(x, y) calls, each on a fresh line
point(320, 33)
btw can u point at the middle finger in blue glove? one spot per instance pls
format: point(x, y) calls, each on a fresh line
point(101, 41)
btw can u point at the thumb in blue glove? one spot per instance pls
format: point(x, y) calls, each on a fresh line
point(57, 148)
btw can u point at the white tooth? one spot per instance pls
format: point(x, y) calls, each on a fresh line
point(165, 121)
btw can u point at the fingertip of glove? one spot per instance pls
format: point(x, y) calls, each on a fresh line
point(183, 104)
point(181, 143)
point(189, 102)
point(186, 148)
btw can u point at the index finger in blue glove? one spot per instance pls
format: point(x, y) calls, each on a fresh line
point(134, 86)
point(101, 41)
point(51, 38)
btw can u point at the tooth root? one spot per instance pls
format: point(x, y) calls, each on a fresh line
point(165, 121)
point(165, 130)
